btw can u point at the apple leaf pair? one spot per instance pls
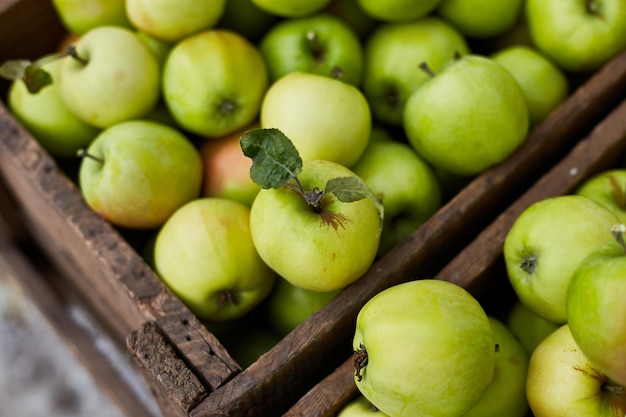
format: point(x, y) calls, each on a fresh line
point(31, 73)
point(276, 163)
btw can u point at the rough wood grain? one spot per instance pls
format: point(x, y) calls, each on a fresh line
point(179, 388)
point(474, 266)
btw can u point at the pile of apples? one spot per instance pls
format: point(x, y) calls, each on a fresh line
point(560, 350)
point(271, 150)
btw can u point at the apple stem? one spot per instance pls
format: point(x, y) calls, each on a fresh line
point(529, 264)
point(314, 45)
point(228, 297)
point(336, 72)
point(81, 153)
point(359, 358)
point(592, 7)
point(613, 388)
point(227, 107)
point(618, 231)
point(71, 51)
point(313, 197)
point(424, 67)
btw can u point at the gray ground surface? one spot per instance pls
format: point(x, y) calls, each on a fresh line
point(39, 375)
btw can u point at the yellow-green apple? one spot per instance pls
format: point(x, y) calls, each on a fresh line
point(80, 16)
point(213, 82)
point(423, 348)
point(543, 83)
point(321, 44)
point(447, 127)
point(227, 169)
point(561, 381)
point(312, 110)
point(506, 394)
point(393, 54)
point(47, 118)
point(607, 188)
point(596, 311)
point(112, 77)
point(481, 18)
point(579, 36)
point(398, 10)
point(529, 328)
point(291, 8)
point(247, 19)
point(360, 407)
point(135, 174)
point(406, 184)
point(288, 305)
point(173, 20)
point(314, 222)
point(545, 245)
point(205, 255)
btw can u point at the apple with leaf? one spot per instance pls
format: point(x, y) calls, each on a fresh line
point(314, 222)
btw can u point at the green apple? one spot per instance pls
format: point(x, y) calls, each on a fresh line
point(214, 82)
point(398, 10)
point(113, 77)
point(288, 305)
point(393, 54)
point(227, 169)
point(173, 20)
point(135, 174)
point(506, 394)
point(579, 36)
point(247, 19)
point(607, 188)
point(423, 348)
point(529, 328)
point(596, 309)
point(562, 382)
point(291, 8)
point(481, 18)
point(360, 407)
point(80, 16)
point(205, 255)
point(48, 119)
point(322, 248)
point(468, 117)
point(321, 44)
point(313, 110)
point(543, 83)
point(406, 184)
point(545, 245)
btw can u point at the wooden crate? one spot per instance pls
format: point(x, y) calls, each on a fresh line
point(189, 369)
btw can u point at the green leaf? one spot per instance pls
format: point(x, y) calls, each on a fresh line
point(36, 78)
point(275, 160)
point(33, 75)
point(349, 189)
point(14, 69)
